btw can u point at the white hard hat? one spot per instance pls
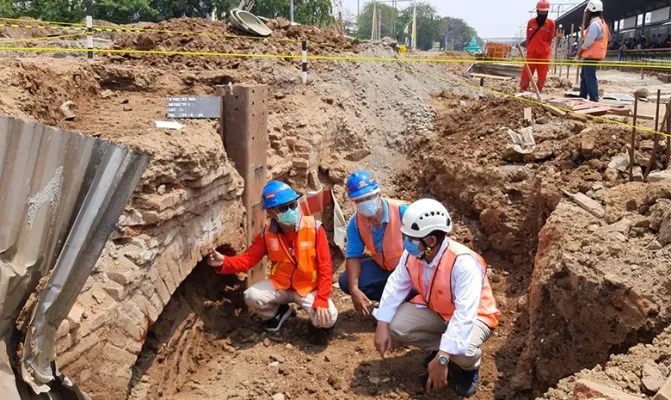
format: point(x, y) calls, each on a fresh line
point(425, 216)
point(595, 6)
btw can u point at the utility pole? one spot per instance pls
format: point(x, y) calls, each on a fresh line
point(373, 29)
point(358, 9)
point(414, 24)
point(291, 11)
point(379, 23)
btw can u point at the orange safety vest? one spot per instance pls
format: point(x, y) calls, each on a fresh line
point(288, 272)
point(598, 49)
point(392, 241)
point(439, 296)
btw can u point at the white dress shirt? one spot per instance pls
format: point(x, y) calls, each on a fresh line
point(466, 284)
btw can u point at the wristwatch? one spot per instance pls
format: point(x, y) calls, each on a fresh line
point(443, 360)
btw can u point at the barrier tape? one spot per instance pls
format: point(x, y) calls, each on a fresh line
point(518, 61)
point(278, 56)
point(639, 129)
point(38, 38)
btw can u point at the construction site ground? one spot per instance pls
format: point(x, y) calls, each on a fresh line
point(575, 287)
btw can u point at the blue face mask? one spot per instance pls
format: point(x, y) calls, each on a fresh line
point(368, 208)
point(288, 217)
point(412, 248)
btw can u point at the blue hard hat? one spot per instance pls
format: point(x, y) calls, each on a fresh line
point(361, 184)
point(276, 193)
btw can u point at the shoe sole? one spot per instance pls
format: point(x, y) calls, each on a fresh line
point(284, 318)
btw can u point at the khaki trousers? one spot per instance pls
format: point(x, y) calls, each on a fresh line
point(423, 328)
point(265, 300)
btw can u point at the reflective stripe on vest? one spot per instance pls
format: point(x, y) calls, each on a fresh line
point(288, 272)
point(598, 49)
point(392, 240)
point(439, 297)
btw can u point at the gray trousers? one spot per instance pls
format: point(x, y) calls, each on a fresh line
point(423, 328)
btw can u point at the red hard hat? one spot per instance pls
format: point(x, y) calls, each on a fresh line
point(543, 5)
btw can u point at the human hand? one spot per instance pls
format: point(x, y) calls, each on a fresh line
point(361, 302)
point(215, 259)
point(382, 338)
point(437, 374)
point(323, 316)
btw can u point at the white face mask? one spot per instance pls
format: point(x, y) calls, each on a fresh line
point(368, 208)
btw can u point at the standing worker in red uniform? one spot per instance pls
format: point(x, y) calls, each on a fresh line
point(540, 34)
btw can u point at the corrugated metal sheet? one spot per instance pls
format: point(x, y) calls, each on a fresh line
point(60, 196)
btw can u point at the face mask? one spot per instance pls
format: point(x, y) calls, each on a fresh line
point(541, 19)
point(288, 217)
point(368, 208)
point(412, 248)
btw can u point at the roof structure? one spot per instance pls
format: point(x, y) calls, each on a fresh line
point(614, 10)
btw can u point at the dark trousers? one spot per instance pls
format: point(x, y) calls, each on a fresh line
point(589, 84)
point(371, 280)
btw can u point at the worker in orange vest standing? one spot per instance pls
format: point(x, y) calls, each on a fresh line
point(593, 50)
point(301, 263)
point(454, 312)
point(540, 34)
point(374, 241)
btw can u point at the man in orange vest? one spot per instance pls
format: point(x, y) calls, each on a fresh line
point(374, 241)
point(301, 263)
point(454, 312)
point(540, 34)
point(593, 50)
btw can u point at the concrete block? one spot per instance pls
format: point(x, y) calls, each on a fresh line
point(586, 390)
point(123, 277)
point(665, 392)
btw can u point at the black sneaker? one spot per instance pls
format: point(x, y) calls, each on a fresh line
point(274, 324)
point(467, 384)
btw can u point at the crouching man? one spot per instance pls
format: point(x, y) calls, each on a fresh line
point(455, 311)
point(301, 263)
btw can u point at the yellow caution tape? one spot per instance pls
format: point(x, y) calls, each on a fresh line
point(39, 38)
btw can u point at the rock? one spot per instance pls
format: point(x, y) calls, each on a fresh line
point(651, 377)
point(621, 226)
point(283, 23)
point(523, 303)
point(610, 175)
point(357, 155)
point(374, 380)
point(641, 93)
point(335, 381)
point(585, 390)
point(664, 236)
point(620, 162)
point(278, 396)
point(646, 145)
point(515, 173)
point(665, 392)
point(657, 176)
point(145, 42)
point(637, 174)
point(266, 342)
point(654, 245)
point(274, 364)
point(277, 358)
point(587, 146)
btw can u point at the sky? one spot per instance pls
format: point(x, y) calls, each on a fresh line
point(491, 18)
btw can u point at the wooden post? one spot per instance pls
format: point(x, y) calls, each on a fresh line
point(655, 147)
point(555, 45)
point(569, 43)
point(580, 41)
point(633, 142)
point(668, 137)
point(244, 131)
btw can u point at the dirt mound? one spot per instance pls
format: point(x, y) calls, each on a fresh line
point(640, 371)
point(198, 35)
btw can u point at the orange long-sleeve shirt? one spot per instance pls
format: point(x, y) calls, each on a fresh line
point(257, 251)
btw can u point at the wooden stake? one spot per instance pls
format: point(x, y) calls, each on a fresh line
point(569, 43)
point(582, 38)
point(668, 132)
point(531, 78)
point(651, 161)
point(633, 142)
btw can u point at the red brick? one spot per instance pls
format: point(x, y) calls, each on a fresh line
point(665, 392)
point(587, 390)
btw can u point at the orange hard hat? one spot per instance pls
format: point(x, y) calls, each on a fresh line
point(543, 5)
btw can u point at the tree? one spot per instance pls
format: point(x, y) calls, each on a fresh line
point(457, 32)
point(365, 20)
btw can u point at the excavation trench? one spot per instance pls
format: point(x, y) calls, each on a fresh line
point(511, 210)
